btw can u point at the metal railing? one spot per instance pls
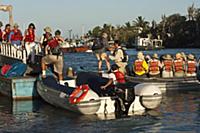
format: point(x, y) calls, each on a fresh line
point(12, 51)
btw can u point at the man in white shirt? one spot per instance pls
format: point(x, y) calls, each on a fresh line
point(119, 57)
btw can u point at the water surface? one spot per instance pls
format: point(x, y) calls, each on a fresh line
point(179, 110)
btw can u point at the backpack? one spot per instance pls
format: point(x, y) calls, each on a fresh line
point(125, 59)
point(55, 47)
point(97, 44)
point(56, 50)
point(125, 55)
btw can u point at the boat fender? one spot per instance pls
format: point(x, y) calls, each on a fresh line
point(78, 94)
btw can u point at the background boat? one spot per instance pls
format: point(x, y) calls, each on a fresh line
point(148, 44)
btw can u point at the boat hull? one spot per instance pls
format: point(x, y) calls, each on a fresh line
point(75, 49)
point(165, 84)
point(19, 88)
point(60, 99)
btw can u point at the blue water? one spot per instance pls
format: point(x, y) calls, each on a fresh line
point(179, 110)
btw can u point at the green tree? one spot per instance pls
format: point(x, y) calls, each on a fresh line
point(142, 25)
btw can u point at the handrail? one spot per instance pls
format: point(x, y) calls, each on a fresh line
point(10, 50)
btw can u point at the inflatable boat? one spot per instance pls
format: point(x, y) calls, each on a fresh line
point(165, 84)
point(79, 95)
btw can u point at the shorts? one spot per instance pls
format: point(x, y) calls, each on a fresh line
point(57, 62)
point(101, 56)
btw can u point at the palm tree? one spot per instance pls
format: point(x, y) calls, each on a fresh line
point(191, 12)
point(142, 25)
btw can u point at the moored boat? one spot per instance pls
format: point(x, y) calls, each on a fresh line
point(18, 88)
point(165, 84)
point(77, 49)
point(142, 97)
point(59, 96)
point(148, 44)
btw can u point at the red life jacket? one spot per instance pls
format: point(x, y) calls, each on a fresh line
point(30, 36)
point(168, 64)
point(16, 36)
point(53, 43)
point(191, 67)
point(178, 65)
point(119, 77)
point(1, 35)
point(154, 66)
point(6, 35)
point(138, 66)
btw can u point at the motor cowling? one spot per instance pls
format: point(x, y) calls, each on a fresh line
point(150, 95)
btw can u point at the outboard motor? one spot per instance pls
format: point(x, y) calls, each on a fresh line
point(125, 97)
point(147, 96)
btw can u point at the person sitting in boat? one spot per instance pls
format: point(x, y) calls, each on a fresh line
point(1, 24)
point(6, 32)
point(29, 41)
point(115, 77)
point(15, 36)
point(179, 66)
point(140, 67)
point(167, 66)
point(184, 56)
point(147, 58)
point(191, 66)
point(119, 56)
point(53, 55)
point(154, 66)
point(45, 38)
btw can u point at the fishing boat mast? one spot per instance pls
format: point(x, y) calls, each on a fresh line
point(8, 8)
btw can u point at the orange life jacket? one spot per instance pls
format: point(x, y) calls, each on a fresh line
point(16, 36)
point(30, 36)
point(154, 66)
point(119, 77)
point(178, 65)
point(138, 66)
point(191, 67)
point(168, 64)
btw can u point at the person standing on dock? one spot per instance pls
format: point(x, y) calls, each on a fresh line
point(6, 32)
point(15, 36)
point(45, 38)
point(99, 48)
point(119, 56)
point(53, 55)
point(29, 41)
point(1, 24)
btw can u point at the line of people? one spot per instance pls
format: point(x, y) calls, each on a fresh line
point(49, 44)
point(165, 66)
point(13, 36)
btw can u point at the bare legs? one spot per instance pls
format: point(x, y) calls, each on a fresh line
point(44, 67)
point(103, 57)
